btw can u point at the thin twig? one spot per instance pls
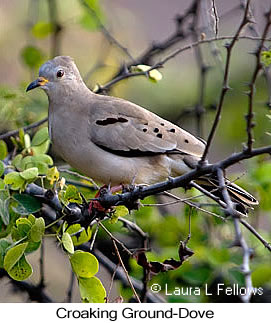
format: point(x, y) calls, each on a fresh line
point(133, 226)
point(256, 234)
point(111, 282)
point(125, 270)
point(116, 240)
point(194, 205)
point(105, 32)
point(94, 236)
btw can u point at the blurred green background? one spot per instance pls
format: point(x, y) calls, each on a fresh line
point(28, 38)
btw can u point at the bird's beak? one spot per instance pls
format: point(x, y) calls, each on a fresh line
point(38, 82)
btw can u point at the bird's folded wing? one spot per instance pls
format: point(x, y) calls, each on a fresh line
point(121, 126)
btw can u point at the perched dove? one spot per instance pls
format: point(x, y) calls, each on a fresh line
point(113, 140)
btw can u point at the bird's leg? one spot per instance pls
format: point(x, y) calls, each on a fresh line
point(95, 206)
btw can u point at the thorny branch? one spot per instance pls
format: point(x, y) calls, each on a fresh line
point(258, 67)
point(240, 241)
point(225, 86)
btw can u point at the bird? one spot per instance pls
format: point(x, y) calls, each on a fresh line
point(117, 142)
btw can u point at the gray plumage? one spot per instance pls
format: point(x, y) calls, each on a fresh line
point(113, 140)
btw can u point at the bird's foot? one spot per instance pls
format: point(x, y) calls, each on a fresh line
point(95, 207)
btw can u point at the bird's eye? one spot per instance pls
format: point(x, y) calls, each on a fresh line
point(60, 73)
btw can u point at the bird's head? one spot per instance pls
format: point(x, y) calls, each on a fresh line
point(56, 75)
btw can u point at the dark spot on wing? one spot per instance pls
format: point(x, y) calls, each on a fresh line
point(145, 129)
point(172, 130)
point(108, 121)
point(156, 130)
point(159, 135)
point(162, 124)
point(186, 141)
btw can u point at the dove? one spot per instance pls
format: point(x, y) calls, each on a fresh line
point(117, 142)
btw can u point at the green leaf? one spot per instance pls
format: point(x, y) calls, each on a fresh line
point(218, 257)
point(119, 211)
point(236, 277)
point(15, 180)
point(2, 168)
point(27, 141)
point(27, 204)
point(32, 56)
point(13, 255)
point(4, 244)
point(15, 234)
point(93, 16)
point(52, 175)
point(89, 22)
point(197, 276)
point(40, 137)
point(27, 162)
point(91, 290)
point(21, 270)
point(266, 57)
point(37, 230)
point(261, 275)
point(2, 184)
point(3, 149)
point(67, 242)
point(30, 174)
point(23, 226)
point(42, 148)
point(31, 218)
point(21, 136)
point(17, 161)
point(92, 4)
point(84, 264)
point(42, 29)
point(43, 158)
point(81, 237)
point(72, 195)
point(32, 246)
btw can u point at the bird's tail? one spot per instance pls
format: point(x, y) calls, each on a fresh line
point(241, 197)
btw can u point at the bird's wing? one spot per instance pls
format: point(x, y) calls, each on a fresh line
point(126, 128)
